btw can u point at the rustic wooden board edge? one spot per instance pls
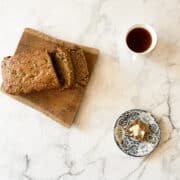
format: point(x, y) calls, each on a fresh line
point(50, 38)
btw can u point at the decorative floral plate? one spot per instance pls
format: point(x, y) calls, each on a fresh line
point(128, 144)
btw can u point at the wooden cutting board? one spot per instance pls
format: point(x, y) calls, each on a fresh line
point(61, 106)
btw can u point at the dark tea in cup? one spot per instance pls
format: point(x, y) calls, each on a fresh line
point(141, 39)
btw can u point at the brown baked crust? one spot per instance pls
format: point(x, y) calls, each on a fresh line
point(64, 66)
point(80, 66)
point(27, 72)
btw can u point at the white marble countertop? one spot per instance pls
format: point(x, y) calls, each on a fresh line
point(33, 147)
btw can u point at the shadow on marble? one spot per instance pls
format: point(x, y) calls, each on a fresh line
point(99, 99)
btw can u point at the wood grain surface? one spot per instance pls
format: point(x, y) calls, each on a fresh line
point(61, 106)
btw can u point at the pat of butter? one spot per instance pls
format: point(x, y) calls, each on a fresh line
point(137, 130)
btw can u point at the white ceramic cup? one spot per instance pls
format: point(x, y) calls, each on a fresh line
point(153, 36)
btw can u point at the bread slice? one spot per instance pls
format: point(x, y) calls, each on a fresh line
point(27, 72)
point(64, 67)
point(80, 66)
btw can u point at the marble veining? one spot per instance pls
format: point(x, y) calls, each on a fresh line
point(33, 147)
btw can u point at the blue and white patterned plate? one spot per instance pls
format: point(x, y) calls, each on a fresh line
point(131, 146)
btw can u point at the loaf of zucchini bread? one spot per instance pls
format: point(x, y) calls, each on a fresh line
point(28, 71)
